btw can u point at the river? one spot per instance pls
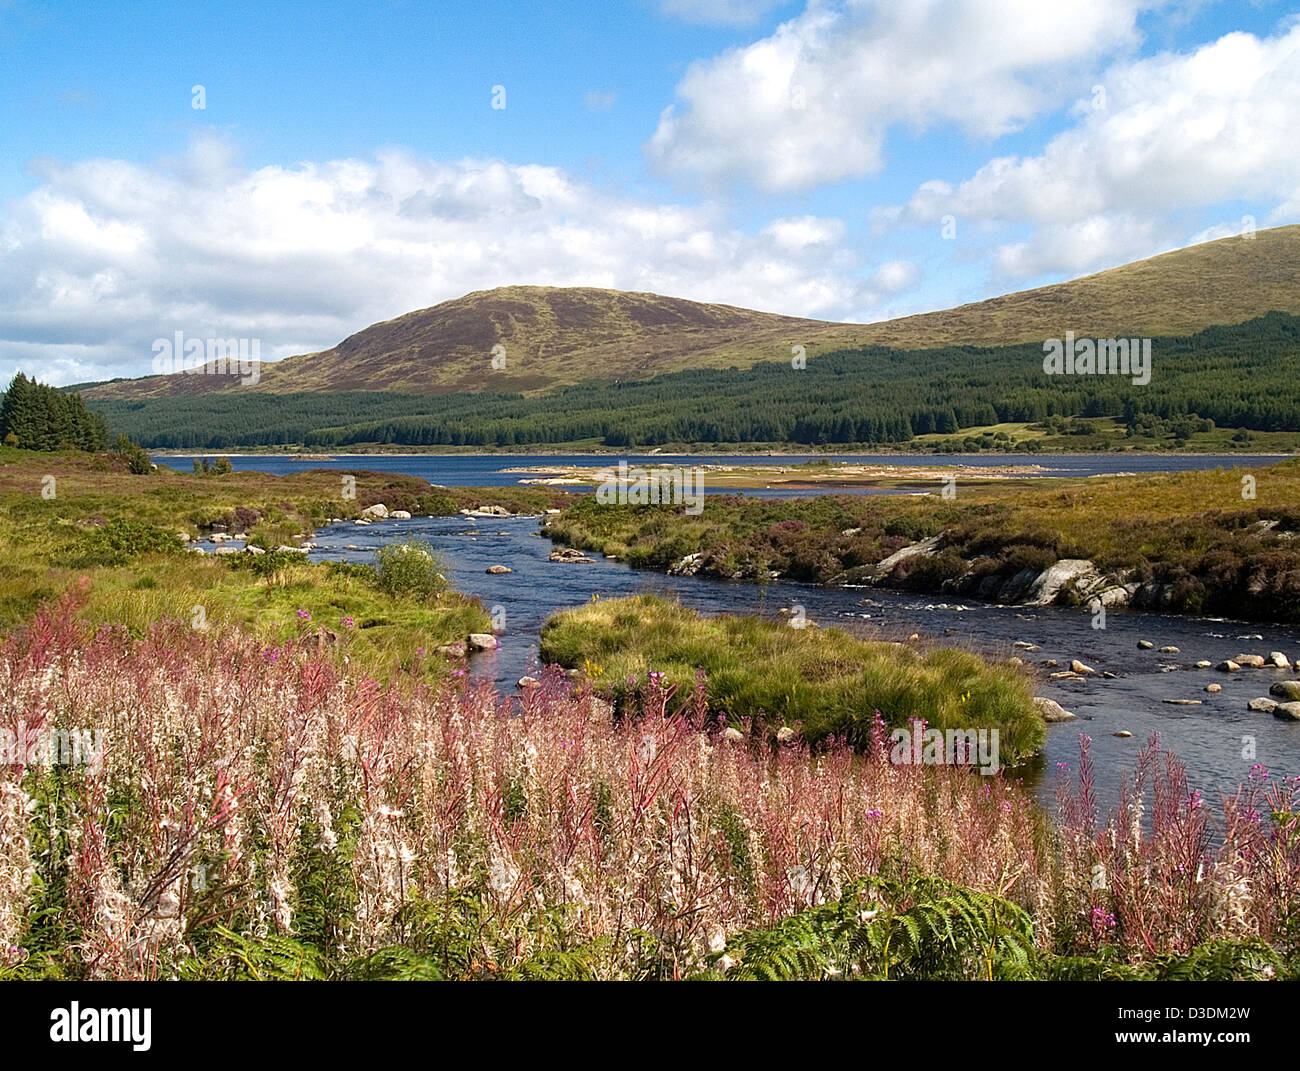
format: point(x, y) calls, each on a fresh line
point(1219, 739)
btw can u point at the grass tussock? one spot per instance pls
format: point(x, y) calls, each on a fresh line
point(823, 681)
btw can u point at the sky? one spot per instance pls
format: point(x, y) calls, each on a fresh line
point(292, 172)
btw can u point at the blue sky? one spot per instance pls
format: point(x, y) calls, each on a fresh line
point(839, 160)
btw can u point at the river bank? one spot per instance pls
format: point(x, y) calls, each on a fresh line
point(1221, 542)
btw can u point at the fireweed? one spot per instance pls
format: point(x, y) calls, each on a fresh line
point(278, 796)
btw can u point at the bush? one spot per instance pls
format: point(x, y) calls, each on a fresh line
point(409, 569)
point(117, 543)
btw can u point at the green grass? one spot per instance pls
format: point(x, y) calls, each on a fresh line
point(825, 681)
point(117, 534)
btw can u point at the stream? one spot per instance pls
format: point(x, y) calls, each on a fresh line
point(1214, 738)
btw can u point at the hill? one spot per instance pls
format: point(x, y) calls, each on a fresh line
point(559, 336)
point(1241, 376)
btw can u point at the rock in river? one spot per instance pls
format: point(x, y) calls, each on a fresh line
point(1289, 711)
point(1051, 711)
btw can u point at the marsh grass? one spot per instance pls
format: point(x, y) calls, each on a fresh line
point(826, 682)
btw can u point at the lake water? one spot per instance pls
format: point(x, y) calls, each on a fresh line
point(466, 470)
point(1213, 738)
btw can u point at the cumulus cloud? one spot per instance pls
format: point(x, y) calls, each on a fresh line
point(1176, 133)
point(105, 256)
point(813, 102)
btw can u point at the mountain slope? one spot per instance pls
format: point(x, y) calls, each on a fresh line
point(556, 336)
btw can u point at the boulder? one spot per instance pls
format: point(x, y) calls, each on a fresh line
point(481, 641)
point(1262, 705)
point(250, 549)
point(184, 537)
point(1145, 645)
point(1227, 666)
point(1049, 583)
point(1065, 675)
point(1254, 661)
point(284, 548)
point(1170, 650)
point(785, 735)
point(1286, 690)
point(226, 550)
point(377, 512)
point(1204, 664)
point(733, 736)
point(1278, 660)
point(1287, 711)
point(452, 650)
point(1079, 667)
point(1212, 688)
point(926, 547)
point(528, 682)
point(1182, 702)
point(568, 554)
point(1051, 711)
point(497, 570)
point(1122, 732)
point(687, 566)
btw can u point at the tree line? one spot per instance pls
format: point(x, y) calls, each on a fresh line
point(34, 416)
point(1242, 376)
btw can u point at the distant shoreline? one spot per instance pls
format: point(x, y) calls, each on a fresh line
point(709, 453)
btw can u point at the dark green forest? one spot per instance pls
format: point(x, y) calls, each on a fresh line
point(36, 417)
point(1243, 376)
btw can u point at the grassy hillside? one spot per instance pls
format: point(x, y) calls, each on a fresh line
point(557, 336)
point(1238, 377)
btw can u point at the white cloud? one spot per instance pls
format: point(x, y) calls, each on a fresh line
point(1178, 133)
point(105, 256)
point(812, 103)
